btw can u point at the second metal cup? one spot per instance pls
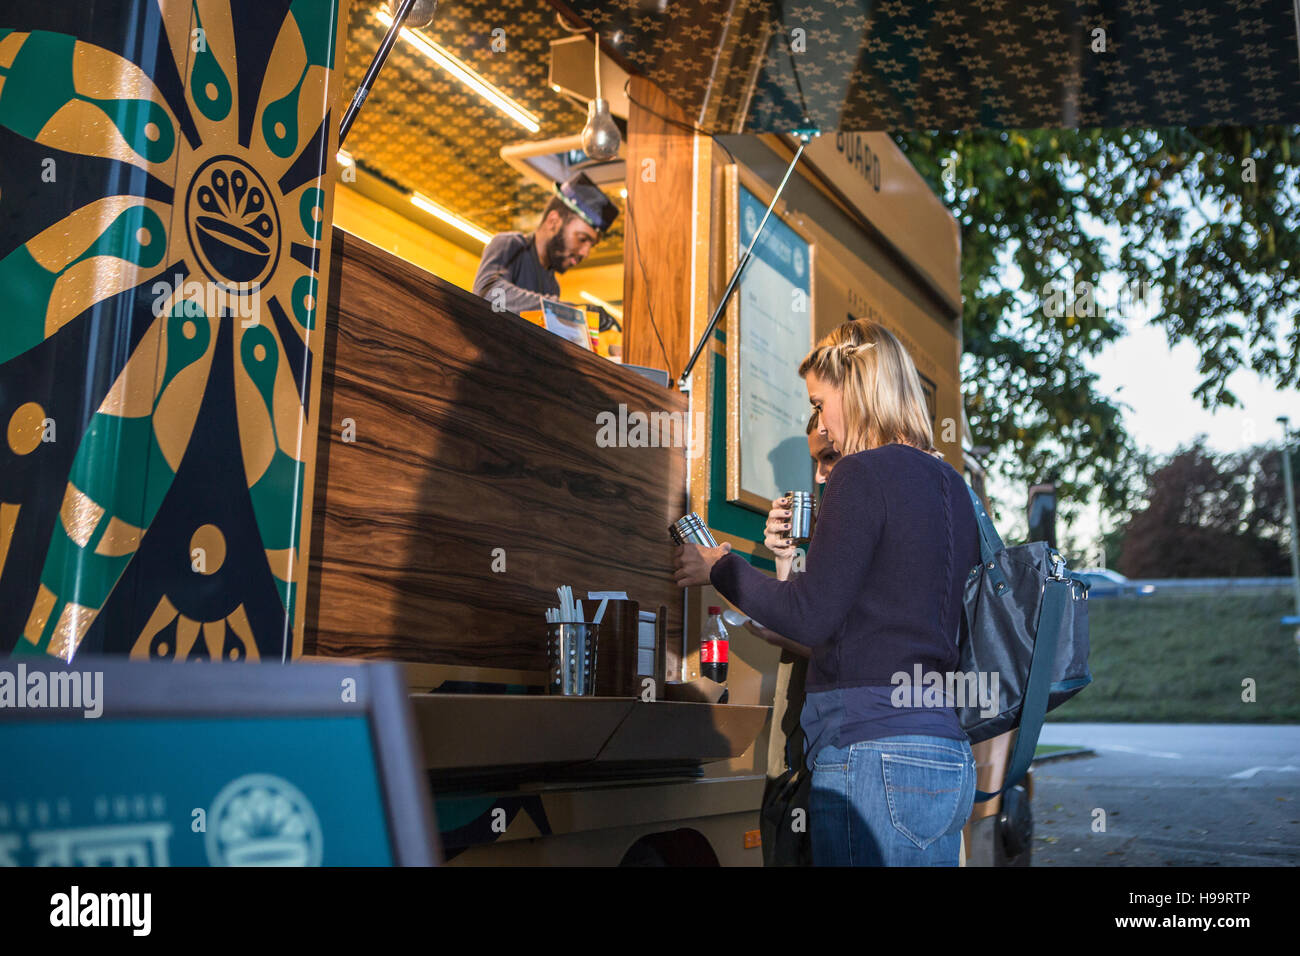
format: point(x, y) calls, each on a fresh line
point(802, 508)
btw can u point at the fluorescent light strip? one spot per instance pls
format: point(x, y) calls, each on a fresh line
point(450, 218)
point(462, 72)
point(612, 310)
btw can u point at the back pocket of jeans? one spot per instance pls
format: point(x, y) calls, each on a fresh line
point(923, 794)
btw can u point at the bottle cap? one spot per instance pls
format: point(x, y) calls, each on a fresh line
point(715, 610)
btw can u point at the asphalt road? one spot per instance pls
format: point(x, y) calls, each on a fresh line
point(1173, 795)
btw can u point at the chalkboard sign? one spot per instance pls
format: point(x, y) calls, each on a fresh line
point(769, 331)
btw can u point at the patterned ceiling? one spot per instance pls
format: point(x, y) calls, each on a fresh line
point(427, 132)
point(736, 66)
point(741, 65)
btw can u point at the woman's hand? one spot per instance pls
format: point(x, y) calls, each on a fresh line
point(694, 562)
point(776, 534)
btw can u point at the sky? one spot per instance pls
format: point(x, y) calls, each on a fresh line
point(1157, 383)
point(1142, 371)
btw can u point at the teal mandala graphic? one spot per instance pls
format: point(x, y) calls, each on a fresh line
point(162, 213)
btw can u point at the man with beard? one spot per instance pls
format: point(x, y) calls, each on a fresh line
point(517, 271)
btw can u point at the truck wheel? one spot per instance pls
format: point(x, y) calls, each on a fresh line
point(683, 847)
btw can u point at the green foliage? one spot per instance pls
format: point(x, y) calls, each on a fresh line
point(1219, 253)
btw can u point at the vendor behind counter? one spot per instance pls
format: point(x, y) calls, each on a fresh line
point(517, 271)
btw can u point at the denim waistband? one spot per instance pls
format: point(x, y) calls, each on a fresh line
point(908, 742)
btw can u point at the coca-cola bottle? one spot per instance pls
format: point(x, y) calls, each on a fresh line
point(713, 648)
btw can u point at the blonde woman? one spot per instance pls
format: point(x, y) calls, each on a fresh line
point(893, 775)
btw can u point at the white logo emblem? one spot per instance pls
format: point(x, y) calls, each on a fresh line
point(751, 221)
point(798, 262)
point(262, 820)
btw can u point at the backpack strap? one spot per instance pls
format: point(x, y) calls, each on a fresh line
point(1034, 707)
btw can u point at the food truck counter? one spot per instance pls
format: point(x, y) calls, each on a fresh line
point(579, 734)
point(470, 463)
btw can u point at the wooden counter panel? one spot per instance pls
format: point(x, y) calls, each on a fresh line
point(474, 431)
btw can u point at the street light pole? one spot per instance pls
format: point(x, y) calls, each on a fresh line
point(1290, 509)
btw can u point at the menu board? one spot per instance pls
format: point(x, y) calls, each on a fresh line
point(773, 333)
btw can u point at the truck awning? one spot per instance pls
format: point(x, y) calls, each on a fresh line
point(761, 65)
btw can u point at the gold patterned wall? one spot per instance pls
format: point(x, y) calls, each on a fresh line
point(424, 131)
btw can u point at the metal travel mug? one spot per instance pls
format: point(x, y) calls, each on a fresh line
point(690, 528)
point(802, 508)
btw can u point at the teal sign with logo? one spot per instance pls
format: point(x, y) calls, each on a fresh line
point(237, 791)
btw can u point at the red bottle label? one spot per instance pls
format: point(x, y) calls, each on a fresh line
point(713, 652)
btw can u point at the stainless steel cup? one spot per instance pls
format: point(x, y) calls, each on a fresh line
point(690, 528)
point(802, 508)
point(571, 659)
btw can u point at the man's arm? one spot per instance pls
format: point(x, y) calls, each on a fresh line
point(492, 281)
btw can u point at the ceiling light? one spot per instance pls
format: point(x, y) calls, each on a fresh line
point(467, 76)
point(600, 137)
point(612, 310)
point(450, 218)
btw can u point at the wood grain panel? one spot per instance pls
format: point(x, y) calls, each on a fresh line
point(474, 431)
point(657, 251)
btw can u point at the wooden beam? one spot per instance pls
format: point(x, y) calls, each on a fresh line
point(657, 250)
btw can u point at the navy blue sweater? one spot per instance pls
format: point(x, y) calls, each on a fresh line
point(895, 538)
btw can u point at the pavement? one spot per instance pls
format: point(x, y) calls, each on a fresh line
point(1169, 795)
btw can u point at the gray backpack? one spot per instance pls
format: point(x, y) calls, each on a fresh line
point(1025, 620)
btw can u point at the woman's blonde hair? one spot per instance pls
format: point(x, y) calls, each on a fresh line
point(879, 384)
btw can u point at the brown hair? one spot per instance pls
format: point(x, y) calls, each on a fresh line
point(557, 205)
point(879, 384)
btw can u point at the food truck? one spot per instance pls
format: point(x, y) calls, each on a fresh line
point(252, 411)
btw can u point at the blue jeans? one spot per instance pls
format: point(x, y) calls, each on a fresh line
point(895, 801)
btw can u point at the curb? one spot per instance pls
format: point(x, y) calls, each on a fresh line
point(1064, 755)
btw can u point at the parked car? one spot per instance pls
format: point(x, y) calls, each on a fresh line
point(1103, 582)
